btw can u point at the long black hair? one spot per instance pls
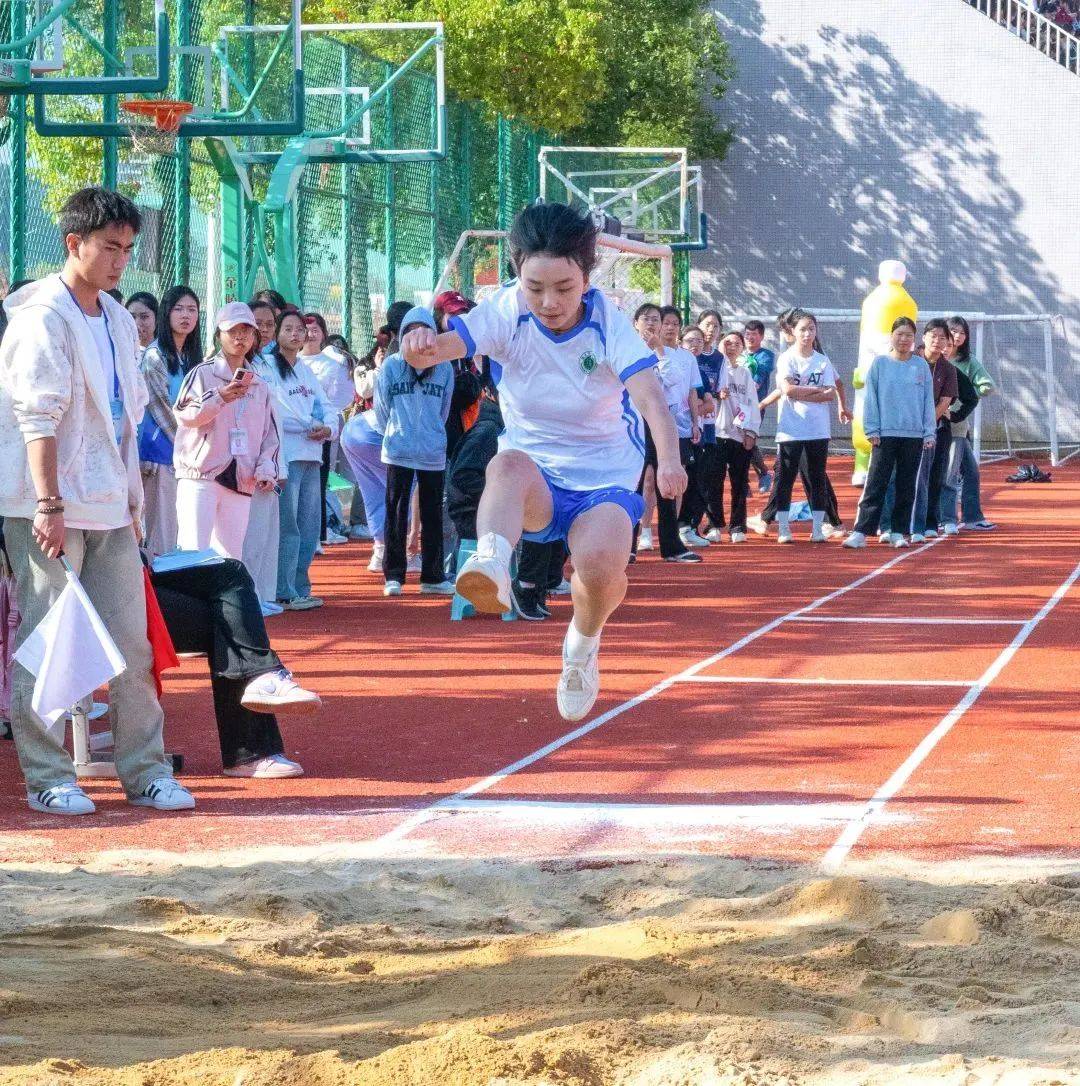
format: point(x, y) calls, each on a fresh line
point(284, 366)
point(144, 297)
point(191, 355)
point(963, 353)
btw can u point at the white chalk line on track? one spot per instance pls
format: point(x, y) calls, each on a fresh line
point(874, 620)
point(836, 855)
point(446, 805)
point(786, 680)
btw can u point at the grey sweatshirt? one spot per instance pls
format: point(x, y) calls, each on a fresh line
point(899, 399)
point(411, 409)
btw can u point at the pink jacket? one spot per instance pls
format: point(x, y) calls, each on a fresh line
point(205, 423)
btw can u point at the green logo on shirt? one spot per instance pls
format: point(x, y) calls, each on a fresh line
point(588, 362)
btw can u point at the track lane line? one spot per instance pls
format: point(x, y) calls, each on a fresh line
point(433, 810)
point(843, 845)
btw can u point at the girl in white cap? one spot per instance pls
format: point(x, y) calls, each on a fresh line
point(227, 440)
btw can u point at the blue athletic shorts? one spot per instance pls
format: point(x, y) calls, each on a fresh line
point(568, 505)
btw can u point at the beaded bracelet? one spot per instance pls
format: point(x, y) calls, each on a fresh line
point(51, 511)
point(50, 498)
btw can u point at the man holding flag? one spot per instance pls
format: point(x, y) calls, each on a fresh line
point(71, 398)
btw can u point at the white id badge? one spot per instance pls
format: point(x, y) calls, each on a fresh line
point(116, 407)
point(238, 443)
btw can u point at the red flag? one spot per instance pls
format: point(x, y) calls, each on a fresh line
point(157, 633)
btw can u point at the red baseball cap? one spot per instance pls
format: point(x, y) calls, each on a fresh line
point(452, 303)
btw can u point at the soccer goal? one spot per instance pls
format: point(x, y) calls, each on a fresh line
point(630, 272)
point(1036, 405)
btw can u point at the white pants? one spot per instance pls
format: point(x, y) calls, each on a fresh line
point(261, 543)
point(210, 516)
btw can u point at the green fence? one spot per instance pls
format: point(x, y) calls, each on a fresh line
point(368, 234)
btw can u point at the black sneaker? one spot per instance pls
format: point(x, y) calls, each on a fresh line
point(687, 558)
point(527, 603)
point(542, 604)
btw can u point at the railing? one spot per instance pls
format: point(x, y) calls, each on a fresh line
point(1019, 18)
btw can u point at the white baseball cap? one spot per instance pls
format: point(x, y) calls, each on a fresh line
point(233, 313)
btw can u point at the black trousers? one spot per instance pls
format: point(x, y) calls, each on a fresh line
point(666, 510)
point(215, 609)
point(399, 483)
point(707, 497)
point(817, 455)
point(901, 454)
point(757, 461)
point(541, 564)
point(832, 510)
point(732, 460)
point(324, 479)
point(693, 500)
point(937, 475)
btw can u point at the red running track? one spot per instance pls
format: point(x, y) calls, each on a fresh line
point(419, 711)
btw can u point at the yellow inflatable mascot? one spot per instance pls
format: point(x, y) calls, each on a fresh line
point(887, 301)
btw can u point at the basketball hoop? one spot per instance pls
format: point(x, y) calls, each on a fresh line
point(159, 136)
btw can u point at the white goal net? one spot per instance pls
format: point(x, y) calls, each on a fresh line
point(629, 272)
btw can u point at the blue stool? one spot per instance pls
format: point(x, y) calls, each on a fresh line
point(460, 607)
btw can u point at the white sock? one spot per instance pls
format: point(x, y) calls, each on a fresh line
point(497, 546)
point(783, 523)
point(576, 646)
point(819, 520)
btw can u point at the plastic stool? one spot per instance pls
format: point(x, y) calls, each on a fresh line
point(460, 607)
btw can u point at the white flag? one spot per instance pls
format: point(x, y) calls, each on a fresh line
point(70, 653)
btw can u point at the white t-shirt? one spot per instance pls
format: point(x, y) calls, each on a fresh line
point(800, 420)
point(562, 396)
point(107, 383)
point(679, 374)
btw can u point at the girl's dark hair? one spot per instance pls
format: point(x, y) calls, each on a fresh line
point(644, 308)
point(796, 315)
point(284, 366)
point(784, 321)
point(904, 322)
point(342, 345)
point(143, 297)
point(318, 319)
point(95, 208)
point(671, 311)
point(273, 297)
point(554, 230)
point(191, 355)
point(725, 332)
point(711, 313)
point(963, 352)
point(261, 303)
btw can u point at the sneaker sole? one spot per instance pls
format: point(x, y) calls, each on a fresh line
point(284, 775)
point(42, 809)
point(283, 706)
point(482, 592)
point(139, 801)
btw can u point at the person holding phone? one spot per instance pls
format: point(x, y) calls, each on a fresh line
point(227, 440)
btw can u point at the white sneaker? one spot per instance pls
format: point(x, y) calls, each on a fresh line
point(485, 582)
point(917, 537)
point(61, 799)
point(951, 529)
point(334, 538)
point(829, 530)
point(563, 588)
point(784, 537)
point(715, 535)
point(897, 540)
point(377, 552)
point(164, 794)
point(884, 537)
point(818, 537)
point(319, 549)
point(855, 541)
point(302, 603)
point(360, 531)
point(275, 766)
point(930, 533)
point(392, 588)
point(738, 537)
point(757, 526)
point(579, 686)
point(269, 609)
point(275, 691)
point(443, 588)
point(415, 564)
point(645, 540)
point(690, 538)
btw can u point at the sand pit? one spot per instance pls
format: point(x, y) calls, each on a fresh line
point(682, 972)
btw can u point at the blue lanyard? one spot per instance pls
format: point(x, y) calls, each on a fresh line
point(108, 333)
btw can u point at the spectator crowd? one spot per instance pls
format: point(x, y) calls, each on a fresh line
point(247, 449)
